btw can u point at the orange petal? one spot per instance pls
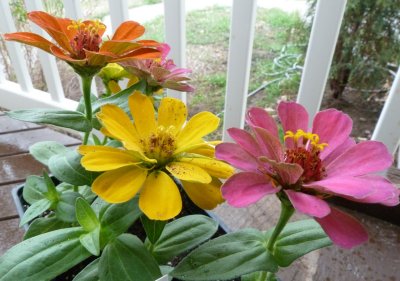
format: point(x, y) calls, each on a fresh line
point(119, 47)
point(97, 58)
point(128, 31)
point(148, 43)
point(142, 53)
point(31, 39)
point(61, 55)
point(53, 26)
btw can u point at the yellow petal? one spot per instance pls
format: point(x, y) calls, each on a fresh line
point(160, 198)
point(190, 147)
point(118, 125)
point(132, 80)
point(213, 167)
point(143, 114)
point(172, 112)
point(197, 127)
point(114, 86)
point(205, 150)
point(104, 158)
point(188, 172)
point(119, 185)
point(206, 196)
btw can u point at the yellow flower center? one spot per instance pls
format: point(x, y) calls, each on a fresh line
point(86, 38)
point(160, 145)
point(306, 154)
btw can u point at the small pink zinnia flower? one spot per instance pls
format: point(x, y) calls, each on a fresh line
point(160, 72)
point(312, 165)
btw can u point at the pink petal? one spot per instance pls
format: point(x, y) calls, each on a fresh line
point(269, 144)
point(245, 140)
point(289, 173)
point(246, 188)
point(333, 127)
point(353, 187)
point(236, 156)
point(344, 230)
point(258, 117)
point(293, 116)
point(308, 204)
point(338, 150)
point(363, 158)
point(385, 192)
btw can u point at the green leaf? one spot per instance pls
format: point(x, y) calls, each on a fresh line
point(44, 150)
point(99, 205)
point(91, 241)
point(85, 215)
point(62, 118)
point(182, 235)
point(67, 168)
point(126, 258)
point(120, 99)
point(256, 276)
point(43, 225)
point(297, 239)
point(51, 193)
point(36, 209)
point(34, 189)
point(227, 257)
point(117, 218)
point(153, 228)
point(65, 208)
point(89, 273)
point(87, 193)
point(43, 257)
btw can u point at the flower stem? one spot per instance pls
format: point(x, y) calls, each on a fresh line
point(287, 211)
point(86, 87)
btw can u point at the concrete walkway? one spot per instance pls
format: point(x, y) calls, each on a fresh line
point(147, 13)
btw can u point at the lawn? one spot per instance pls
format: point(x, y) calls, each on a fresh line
point(276, 35)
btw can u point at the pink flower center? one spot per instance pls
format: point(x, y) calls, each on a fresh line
point(86, 38)
point(306, 153)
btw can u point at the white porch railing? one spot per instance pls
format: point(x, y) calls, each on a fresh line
point(318, 59)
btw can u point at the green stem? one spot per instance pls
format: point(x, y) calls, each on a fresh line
point(86, 87)
point(287, 211)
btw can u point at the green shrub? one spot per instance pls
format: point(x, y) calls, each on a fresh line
point(367, 43)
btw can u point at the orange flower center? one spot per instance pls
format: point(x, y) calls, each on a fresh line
point(306, 153)
point(86, 38)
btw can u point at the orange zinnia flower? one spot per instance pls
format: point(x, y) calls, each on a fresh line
point(80, 43)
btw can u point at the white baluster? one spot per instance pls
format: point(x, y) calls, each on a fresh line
point(321, 46)
point(239, 60)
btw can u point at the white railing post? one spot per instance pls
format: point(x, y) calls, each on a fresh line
point(321, 47)
point(175, 36)
point(118, 12)
point(48, 62)
point(2, 71)
point(73, 9)
point(387, 129)
point(15, 53)
point(239, 60)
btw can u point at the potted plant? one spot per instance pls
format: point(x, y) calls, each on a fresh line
point(120, 206)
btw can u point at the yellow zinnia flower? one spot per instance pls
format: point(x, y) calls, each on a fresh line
point(155, 151)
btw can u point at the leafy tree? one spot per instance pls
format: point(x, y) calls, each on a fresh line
point(368, 44)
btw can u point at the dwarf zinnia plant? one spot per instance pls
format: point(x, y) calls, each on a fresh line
point(128, 204)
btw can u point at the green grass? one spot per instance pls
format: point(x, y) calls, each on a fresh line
point(207, 33)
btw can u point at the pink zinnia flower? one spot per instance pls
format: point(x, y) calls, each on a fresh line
point(312, 165)
point(160, 72)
